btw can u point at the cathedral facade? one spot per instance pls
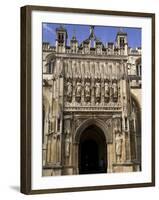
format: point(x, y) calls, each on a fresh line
point(91, 105)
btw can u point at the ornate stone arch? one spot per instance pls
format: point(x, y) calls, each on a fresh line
point(105, 126)
point(50, 56)
point(50, 62)
point(102, 125)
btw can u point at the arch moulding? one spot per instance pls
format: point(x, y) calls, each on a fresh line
point(105, 126)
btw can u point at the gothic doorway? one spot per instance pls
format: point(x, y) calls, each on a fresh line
point(92, 151)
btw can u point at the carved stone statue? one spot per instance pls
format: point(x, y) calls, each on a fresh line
point(98, 91)
point(118, 146)
point(69, 90)
point(67, 143)
point(115, 90)
point(117, 124)
point(106, 90)
point(87, 89)
point(78, 89)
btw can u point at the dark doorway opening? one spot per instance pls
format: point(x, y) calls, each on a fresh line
point(92, 151)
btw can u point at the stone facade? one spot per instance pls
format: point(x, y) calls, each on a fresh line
point(91, 98)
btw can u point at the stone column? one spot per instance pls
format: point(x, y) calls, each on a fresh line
point(125, 118)
point(53, 149)
point(93, 92)
point(57, 149)
point(49, 150)
point(102, 91)
point(83, 88)
point(76, 153)
point(110, 158)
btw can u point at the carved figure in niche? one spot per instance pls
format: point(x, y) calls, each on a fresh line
point(69, 90)
point(67, 143)
point(115, 90)
point(118, 146)
point(106, 91)
point(78, 89)
point(117, 124)
point(87, 90)
point(97, 85)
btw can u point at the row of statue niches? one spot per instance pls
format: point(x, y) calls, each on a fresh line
point(109, 90)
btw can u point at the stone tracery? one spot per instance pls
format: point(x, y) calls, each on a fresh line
point(87, 84)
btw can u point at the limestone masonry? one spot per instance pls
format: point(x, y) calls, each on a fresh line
point(91, 105)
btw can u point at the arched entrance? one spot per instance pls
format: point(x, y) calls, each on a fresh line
point(92, 151)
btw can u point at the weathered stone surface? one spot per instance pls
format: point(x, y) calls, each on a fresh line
point(96, 93)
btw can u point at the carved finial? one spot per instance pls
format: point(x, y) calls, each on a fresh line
point(92, 32)
point(91, 29)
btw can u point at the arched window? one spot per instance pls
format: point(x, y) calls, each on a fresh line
point(138, 67)
point(122, 42)
point(50, 67)
point(138, 70)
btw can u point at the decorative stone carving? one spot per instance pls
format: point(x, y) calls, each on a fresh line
point(117, 124)
point(109, 123)
point(118, 146)
point(115, 90)
point(90, 91)
point(87, 91)
point(78, 122)
point(106, 91)
point(69, 90)
point(97, 91)
point(50, 120)
point(78, 90)
point(124, 106)
point(67, 143)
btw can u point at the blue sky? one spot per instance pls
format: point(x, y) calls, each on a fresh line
point(104, 33)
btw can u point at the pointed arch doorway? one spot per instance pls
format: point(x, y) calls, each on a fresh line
point(92, 152)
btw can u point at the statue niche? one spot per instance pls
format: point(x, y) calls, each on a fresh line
point(98, 91)
point(67, 136)
point(87, 91)
point(118, 146)
point(78, 90)
point(106, 91)
point(115, 90)
point(67, 143)
point(69, 90)
point(118, 138)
